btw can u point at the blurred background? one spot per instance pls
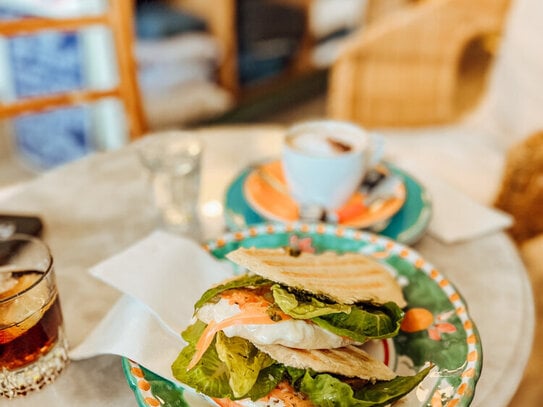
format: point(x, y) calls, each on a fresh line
point(205, 62)
point(198, 62)
point(201, 62)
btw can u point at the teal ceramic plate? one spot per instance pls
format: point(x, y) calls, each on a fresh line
point(406, 226)
point(437, 327)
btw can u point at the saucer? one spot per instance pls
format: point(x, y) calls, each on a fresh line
point(406, 226)
point(266, 192)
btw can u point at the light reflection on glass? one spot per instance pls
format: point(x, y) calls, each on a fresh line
point(212, 209)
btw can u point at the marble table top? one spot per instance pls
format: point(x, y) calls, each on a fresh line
point(97, 206)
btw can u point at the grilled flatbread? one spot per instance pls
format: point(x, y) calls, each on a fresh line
point(346, 278)
point(349, 361)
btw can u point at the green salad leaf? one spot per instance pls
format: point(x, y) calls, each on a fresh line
point(230, 367)
point(268, 379)
point(243, 281)
point(304, 309)
point(243, 361)
point(295, 374)
point(325, 390)
point(364, 322)
point(360, 322)
point(210, 375)
point(193, 332)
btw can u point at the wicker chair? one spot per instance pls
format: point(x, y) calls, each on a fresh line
point(377, 9)
point(403, 69)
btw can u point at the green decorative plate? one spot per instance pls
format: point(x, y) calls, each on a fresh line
point(406, 226)
point(437, 327)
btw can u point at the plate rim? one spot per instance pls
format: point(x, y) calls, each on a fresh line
point(473, 365)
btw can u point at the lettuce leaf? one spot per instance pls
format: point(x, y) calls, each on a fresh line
point(290, 304)
point(210, 375)
point(256, 374)
point(325, 390)
point(360, 322)
point(295, 374)
point(243, 361)
point(193, 332)
point(268, 379)
point(364, 322)
point(245, 280)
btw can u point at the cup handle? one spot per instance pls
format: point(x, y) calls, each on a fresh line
point(377, 150)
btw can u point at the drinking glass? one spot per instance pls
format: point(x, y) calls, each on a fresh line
point(33, 346)
point(173, 160)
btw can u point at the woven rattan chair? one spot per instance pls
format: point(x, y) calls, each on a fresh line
point(377, 9)
point(119, 18)
point(403, 69)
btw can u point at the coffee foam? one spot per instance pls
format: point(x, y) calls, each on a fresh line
point(324, 143)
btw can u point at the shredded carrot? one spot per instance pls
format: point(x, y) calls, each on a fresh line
point(283, 392)
point(244, 296)
point(214, 327)
point(290, 398)
point(226, 402)
point(254, 311)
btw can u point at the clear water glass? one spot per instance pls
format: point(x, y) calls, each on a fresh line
point(173, 160)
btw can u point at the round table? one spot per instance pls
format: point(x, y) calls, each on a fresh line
point(95, 207)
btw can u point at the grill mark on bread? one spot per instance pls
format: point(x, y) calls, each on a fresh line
point(349, 361)
point(330, 277)
point(334, 285)
point(322, 263)
point(302, 273)
point(346, 278)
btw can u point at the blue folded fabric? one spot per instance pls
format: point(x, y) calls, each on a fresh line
point(159, 20)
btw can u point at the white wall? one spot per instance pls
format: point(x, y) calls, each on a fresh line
point(515, 98)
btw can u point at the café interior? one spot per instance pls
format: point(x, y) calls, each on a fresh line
point(453, 90)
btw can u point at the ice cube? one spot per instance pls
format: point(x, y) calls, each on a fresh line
point(27, 304)
point(7, 282)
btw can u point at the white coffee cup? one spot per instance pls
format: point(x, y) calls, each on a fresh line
point(325, 161)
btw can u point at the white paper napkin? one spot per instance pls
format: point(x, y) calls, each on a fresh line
point(130, 329)
point(455, 216)
point(161, 276)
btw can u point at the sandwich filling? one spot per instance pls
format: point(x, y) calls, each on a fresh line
point(288, 331)
point(253, 335)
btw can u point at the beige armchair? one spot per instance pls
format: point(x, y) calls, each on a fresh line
point(405, 68)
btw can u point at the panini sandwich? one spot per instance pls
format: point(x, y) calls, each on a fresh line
point(291, 332)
